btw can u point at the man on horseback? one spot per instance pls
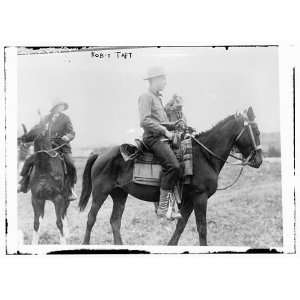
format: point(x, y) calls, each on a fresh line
point(59, 129)
point(157, 135)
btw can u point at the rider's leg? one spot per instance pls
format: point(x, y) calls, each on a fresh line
point(170, 176)
point(25, 173)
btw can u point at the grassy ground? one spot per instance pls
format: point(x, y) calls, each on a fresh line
point(248, 214)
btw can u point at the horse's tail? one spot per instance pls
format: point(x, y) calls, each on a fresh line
point(87, 182)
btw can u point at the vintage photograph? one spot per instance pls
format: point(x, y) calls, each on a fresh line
point(148, 146)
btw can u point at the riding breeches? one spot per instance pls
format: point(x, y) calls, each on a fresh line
point(168, 160)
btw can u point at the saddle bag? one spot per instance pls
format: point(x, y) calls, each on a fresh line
point(147, 170)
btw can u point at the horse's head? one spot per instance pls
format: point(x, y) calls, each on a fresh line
point(42, 142)
point(248, 139)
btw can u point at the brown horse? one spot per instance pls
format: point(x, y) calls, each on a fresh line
point(104, 175)
point(48, 182)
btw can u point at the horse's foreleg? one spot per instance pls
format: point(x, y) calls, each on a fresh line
point(38, 209)
point(200, 206)
point(35, 234)
point(65, 220)
point(98, 200)
point(186, 209)
point(119, 197)
point(59, 204)
point(66, 227)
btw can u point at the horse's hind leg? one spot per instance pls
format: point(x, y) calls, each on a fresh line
point(60, 204)
point(98, 200)
point(38, 209)
point(186, 209)
point(119, 198)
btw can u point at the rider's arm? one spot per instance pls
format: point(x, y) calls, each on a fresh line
point(169, 125)
point(147, 122)
point(69, 134)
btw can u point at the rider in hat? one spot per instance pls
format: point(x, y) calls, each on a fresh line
point(60, 130)
point(157, 128)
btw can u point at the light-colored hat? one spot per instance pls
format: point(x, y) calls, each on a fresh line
point(155, 72)
point(57, 102)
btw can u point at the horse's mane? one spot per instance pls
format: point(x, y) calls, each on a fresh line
point(215, 127)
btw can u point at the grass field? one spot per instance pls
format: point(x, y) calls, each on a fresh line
point(248, 214)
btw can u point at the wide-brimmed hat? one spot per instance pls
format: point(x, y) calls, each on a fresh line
point(58, 102)
point(154, 72)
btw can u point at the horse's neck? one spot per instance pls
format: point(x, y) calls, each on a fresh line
point(220, 140)
point(42, 163)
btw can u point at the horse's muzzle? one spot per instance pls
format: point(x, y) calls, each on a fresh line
point(256, 159)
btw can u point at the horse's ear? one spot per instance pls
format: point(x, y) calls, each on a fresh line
point(250, 114)
point(24, 128)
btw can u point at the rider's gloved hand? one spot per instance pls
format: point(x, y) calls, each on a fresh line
point(169, 135)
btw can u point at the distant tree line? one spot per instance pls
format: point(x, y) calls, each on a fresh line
point(272, 152)
point(99, 150)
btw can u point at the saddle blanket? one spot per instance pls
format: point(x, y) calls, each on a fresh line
point(147, 169)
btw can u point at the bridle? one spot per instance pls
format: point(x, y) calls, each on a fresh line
point(244, 162)
point(247, 125)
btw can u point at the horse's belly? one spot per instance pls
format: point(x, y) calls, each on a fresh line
point(143, 192)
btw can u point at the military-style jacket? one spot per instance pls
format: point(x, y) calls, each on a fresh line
point(57, 126)
point(153, 117)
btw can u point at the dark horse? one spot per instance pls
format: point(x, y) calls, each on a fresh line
point(103, 175)
point(48, 182)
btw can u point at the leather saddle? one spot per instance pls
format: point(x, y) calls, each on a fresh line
point(147, 168)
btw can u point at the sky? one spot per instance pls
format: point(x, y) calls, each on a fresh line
point(103, 92)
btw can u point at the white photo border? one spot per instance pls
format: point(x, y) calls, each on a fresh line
point(14, 238)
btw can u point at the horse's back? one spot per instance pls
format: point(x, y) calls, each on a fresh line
point(105, 161)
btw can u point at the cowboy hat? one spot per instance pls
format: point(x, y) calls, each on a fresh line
point(58, 102)
point(155, 72)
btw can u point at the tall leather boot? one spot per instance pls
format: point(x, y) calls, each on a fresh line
point(166, 205)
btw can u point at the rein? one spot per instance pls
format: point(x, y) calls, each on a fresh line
point(54, 149)
point(244, 162)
